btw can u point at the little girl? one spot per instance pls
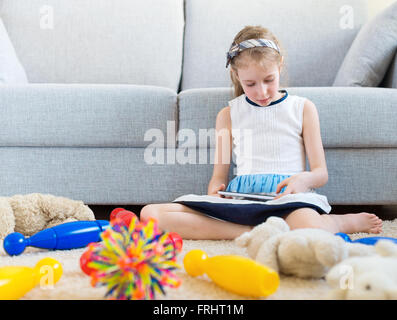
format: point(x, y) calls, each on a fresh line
point(271, 132)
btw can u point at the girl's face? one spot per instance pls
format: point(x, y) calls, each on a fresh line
point(260, 84)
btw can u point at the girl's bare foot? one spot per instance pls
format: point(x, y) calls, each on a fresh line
point(357, 222)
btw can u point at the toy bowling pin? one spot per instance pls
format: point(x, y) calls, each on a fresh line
point(237, 274)
point(68, 235)
point(124, 215)
point(16, 281)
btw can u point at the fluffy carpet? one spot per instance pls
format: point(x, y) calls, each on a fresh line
point(75, 285)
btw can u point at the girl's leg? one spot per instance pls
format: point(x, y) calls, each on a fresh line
point(191, 224)
point(346, 223)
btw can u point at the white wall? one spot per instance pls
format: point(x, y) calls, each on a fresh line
point(376, 6)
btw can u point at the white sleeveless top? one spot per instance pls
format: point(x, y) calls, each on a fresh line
point(268, 140)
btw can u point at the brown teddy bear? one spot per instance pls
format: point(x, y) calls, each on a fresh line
point(31, 213)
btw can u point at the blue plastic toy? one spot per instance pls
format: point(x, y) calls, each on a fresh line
point(65, 236)
point(368, 240)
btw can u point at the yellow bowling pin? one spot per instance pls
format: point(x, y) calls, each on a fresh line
point(237, 274)
point(16, 281)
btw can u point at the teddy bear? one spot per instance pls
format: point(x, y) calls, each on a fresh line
point(305, 253)
point(371, 277)
point(31, 213)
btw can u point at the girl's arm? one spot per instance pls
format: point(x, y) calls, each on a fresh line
point(223, 153)
point(314, 146)
point(318, 174)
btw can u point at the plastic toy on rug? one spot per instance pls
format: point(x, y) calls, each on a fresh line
point(237, 274)
point(126, 216)
point(133, 263)
point(367, 240)
point(70, 235)
point(86, 257)
point(16, 281)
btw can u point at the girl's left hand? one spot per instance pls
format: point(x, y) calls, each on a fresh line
point(294, 184)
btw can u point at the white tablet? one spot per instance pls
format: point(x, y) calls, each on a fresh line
point(258, 196)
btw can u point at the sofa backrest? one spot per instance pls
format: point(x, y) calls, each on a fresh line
point(98, 41)
point(315, 34)
point(144, 42)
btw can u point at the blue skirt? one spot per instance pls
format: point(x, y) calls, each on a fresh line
point(252, 213)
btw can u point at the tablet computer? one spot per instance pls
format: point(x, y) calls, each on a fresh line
point(253, 196)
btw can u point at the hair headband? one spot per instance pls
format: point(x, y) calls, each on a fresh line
point(235, 49)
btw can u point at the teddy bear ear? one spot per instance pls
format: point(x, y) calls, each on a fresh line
point(243, 240)
point(330, 251)
point(386, 248)
point(356, 249)
point(268, 253)
point(278, 223)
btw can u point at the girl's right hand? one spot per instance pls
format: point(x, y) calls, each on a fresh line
point(215, 193)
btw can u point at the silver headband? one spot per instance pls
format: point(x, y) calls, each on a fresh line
point(235, 49)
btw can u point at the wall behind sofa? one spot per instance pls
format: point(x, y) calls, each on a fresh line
point(375, 6)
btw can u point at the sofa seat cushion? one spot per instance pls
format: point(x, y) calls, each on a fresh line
point(350, 117)
point(98, 175)
point(122, 176)
point(83, 115)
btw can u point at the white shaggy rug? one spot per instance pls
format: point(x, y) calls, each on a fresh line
point(75, 285)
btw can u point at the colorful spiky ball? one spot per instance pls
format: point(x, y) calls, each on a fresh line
point(133, 262)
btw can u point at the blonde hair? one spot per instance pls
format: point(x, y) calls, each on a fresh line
point(261, 55)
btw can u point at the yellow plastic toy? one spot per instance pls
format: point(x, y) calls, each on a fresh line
point(237, 274)
point(16, 281)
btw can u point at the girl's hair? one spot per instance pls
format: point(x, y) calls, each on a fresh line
point(261, 55)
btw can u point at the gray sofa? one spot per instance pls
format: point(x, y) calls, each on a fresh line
point(123, 95)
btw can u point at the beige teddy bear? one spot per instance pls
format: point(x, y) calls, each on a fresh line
point(305, 253)
point(371, 277)
point(31, 213)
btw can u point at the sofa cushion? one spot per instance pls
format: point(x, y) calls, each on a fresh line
point(371, 53)
point(98, 175)
point(349, 117)
point(315, 37)
point(361, 176)
point(121, 176)
point(62, 115)
point(98, 41)
point(11, 70)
